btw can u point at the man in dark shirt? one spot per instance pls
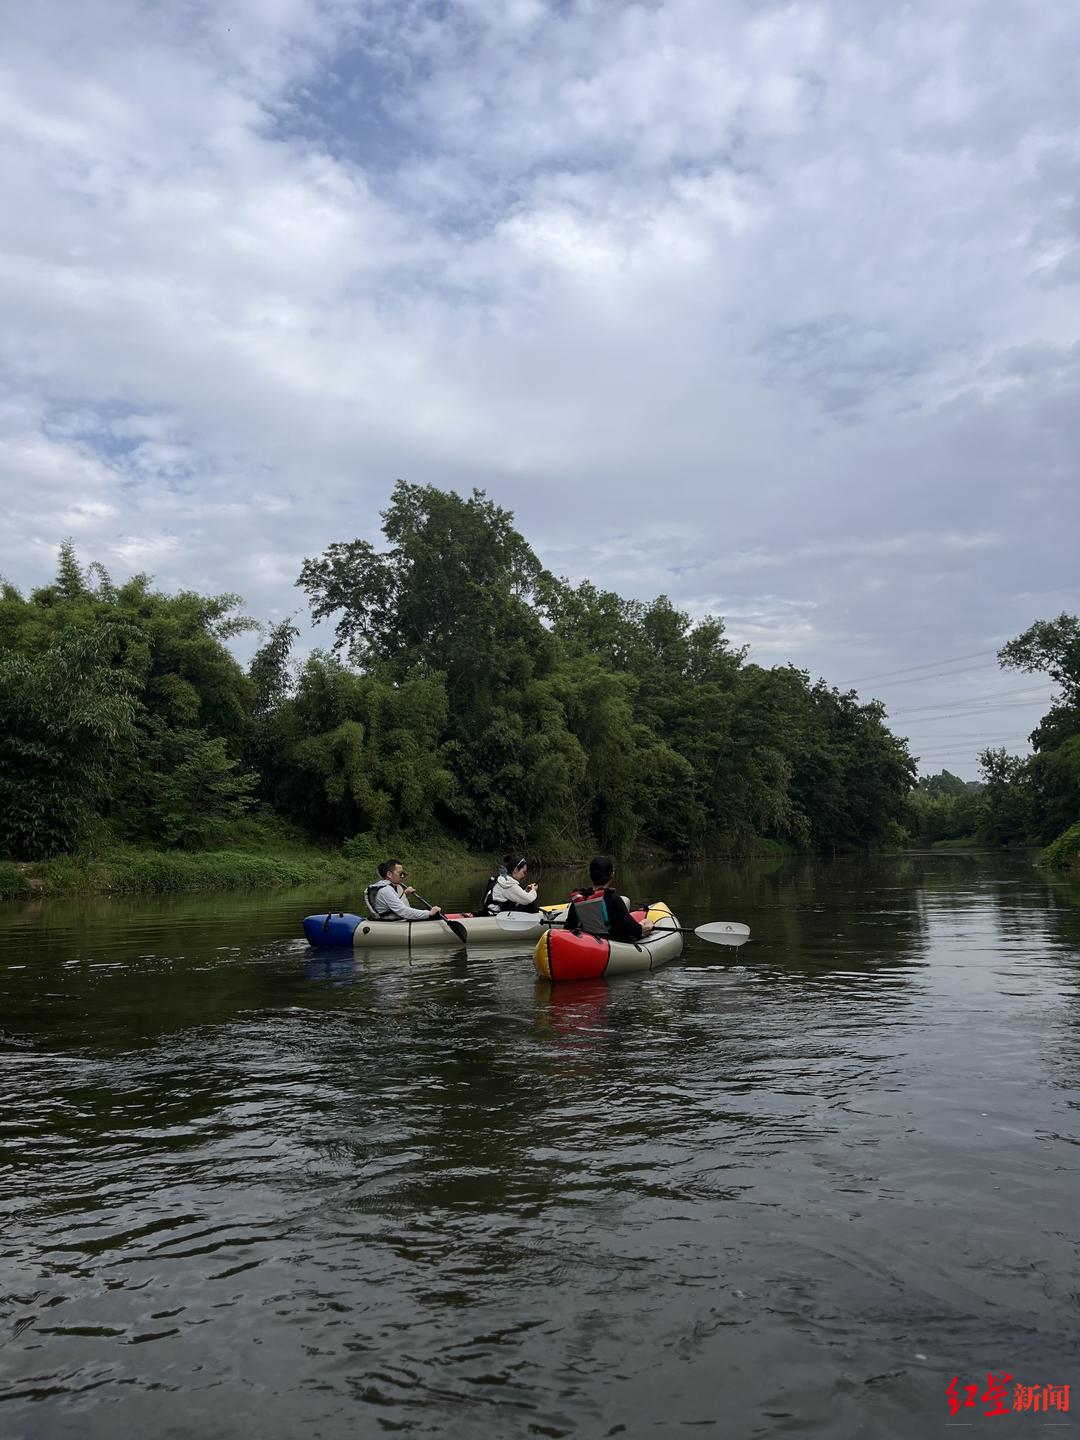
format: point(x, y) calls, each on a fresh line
point(601, 910)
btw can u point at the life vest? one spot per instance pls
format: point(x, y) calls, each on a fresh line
point(591, 912)
point(488, 905)
point(370, 895)
point(496, 901)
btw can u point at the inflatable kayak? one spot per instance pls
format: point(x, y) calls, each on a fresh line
point(486, 930)
point(564, 955)
point(361, 932)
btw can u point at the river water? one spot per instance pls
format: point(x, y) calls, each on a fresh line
point(797, 1188)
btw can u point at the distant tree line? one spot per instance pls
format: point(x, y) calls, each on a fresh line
point(467, 693)
point(944, 807)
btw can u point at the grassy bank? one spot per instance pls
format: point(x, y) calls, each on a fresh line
point(1064, 853)
point(123, 871)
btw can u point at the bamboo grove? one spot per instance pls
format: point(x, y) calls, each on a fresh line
point(466, 693)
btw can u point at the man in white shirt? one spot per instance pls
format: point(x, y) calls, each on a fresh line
point(386, 898)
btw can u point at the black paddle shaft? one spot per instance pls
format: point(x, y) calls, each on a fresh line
point(455, 926)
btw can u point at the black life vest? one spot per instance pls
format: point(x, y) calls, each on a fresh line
point(369, 899)
point(487, 904)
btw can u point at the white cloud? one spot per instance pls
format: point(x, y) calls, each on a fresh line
point(725, 299)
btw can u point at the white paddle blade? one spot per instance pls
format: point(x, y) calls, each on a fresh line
point(724, 932)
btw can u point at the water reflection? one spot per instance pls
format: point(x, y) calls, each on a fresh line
point(338, 969)
point(575, 1012)
point(795, 1186)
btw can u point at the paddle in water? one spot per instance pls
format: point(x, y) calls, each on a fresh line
point(454, 926)
point(716, 932)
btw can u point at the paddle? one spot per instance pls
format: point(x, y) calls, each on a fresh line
point(717, 932)
point(455, 926)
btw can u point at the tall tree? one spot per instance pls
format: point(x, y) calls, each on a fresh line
point(67, 720)
point(1036, 799)
point(269, 668)
point(1052, 647)
point(452, 593)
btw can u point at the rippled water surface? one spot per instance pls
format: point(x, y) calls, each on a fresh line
point(246, 1191)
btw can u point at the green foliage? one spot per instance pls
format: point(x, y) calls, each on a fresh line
point(357, 753)
point(452, 594)
point(1064, 853)
point(66, 715)
point(1051, 647)
point(197, 792)
point(69, 583)
point(943, 807)
point(269, 669)
point(622, 719)
point(1030, 801)
point(13, 882)
point(941, 786)
point(171, 649)
point(127, 871)
point(1055, 780)
point(1009, 800)
point(476, 700)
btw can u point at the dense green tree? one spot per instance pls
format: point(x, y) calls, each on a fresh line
point(1036, 799)
point(473, 693)
point(944, 807)
point(453, 594)
point(69, 584)
point(167, 655)
point(173, 647)
point(1008, 816)
point(354, 753)
point(945, 784)
point(67, 717)
point(269, 668)
point(1055, 781)
point(195, 790)
point(1053, 648)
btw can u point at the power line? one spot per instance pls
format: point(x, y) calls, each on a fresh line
point(983, 705)
point(943, 719)
point(975, 748)
point(885, 674)
point(952, 754)
point(937, 674)
point(971, 745)
point(947, 735)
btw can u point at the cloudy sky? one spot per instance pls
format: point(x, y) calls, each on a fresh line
point(772, 307)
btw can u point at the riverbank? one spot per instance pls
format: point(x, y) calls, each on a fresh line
point(1064, 854)
point(124, 871)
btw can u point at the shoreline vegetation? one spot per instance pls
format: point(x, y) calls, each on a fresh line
point(470, 702)
point(127, 871)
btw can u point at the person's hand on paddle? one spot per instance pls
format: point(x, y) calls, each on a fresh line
point(646, 926)
point(435, 910)
point(409, 890)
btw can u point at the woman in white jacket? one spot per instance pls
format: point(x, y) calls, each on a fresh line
point(507, 891)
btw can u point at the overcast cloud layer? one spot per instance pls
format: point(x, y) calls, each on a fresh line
point(774, 308)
